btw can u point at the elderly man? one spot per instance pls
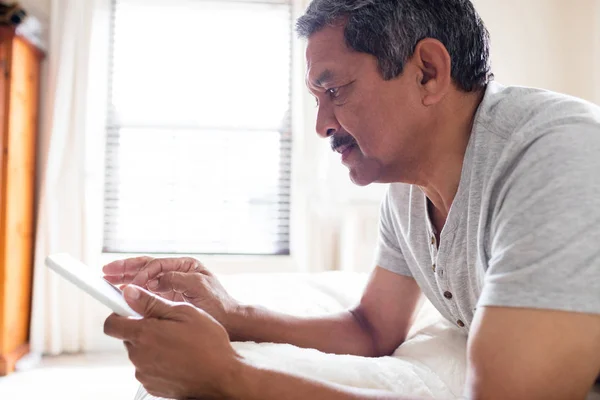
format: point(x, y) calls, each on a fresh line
point(492, 212)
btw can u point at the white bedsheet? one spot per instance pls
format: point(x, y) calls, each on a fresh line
point(430, 364)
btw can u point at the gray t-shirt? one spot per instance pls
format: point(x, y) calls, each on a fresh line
point(524, 227)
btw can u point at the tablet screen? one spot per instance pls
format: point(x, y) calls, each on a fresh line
point(90, 281)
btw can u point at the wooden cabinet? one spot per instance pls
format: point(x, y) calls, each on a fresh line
point(19, 99)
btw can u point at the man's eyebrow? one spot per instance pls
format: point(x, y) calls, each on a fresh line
point(325, 77)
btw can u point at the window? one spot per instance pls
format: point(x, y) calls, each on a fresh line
point(198, 127)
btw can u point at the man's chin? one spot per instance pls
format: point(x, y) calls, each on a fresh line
point(358, 180)
point(363, 178)
point(363, 170)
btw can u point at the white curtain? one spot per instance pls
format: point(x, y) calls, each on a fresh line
point(58, 310)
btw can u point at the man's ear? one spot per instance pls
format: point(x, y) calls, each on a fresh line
point(435, 70)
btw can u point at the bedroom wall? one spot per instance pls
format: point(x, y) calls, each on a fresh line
point(39, 8)
point(580, 48)
point(544, 43)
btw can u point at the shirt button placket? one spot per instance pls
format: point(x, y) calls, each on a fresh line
point(433, 251)
point(443, 284)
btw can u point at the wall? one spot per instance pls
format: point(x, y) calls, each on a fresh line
point(544, 43)
point(38, 8)
point(579, 47)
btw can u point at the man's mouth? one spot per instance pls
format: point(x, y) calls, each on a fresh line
point(344, 148)
point(342, 143)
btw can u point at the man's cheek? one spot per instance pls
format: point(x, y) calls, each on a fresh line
point(364, 144)
point(349, 117)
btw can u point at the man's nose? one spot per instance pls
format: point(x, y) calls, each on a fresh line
point(327, 123)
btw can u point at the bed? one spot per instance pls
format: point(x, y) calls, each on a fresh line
point(430, 364)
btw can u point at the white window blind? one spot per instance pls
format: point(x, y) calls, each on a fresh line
point(198, 127)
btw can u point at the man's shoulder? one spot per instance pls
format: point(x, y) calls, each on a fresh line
point(516, 112)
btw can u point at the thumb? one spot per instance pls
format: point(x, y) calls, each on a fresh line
point(145, 303)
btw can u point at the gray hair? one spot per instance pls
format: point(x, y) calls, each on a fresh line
point(391, 29)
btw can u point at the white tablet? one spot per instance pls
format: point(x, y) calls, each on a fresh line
point(90, 282)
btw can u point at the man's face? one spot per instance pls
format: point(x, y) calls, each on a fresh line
point(372, 122)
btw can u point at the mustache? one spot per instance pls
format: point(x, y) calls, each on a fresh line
point(338, 141)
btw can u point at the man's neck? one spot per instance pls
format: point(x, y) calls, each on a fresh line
point(440, 177)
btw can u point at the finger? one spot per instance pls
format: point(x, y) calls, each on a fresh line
point(146, 303)
point(119, 279)
point(122, 328)
point(129, 266)
point(187, 284)
point(160, 266)
point(199, 267)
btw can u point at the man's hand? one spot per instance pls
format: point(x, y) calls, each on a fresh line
point(175, 279)
point(179, 351)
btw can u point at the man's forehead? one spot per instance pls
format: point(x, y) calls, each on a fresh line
point(326, 52)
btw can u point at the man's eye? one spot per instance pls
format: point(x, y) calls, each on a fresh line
point(333, 92)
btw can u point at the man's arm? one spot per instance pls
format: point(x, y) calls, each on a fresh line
point(375, 327)
point(544, 235)
point(519, 353)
